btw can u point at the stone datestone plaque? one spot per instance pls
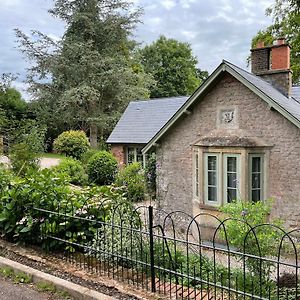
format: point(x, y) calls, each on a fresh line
point(227, 117)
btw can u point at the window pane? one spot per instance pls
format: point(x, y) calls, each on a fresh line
point(130, 155)
point(231, 180)
point(212, 163)
point(255, 195)
point(212, 194)
point(212, 178)
point(139, 155)
point(231, 164)
point(256, 180)
point(231, 195)
point(256, 164)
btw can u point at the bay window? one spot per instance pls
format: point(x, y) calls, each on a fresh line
point(223, 176)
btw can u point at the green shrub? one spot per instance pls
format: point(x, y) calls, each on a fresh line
point(19, 222)
point(102, 168)
point(27, 143)
point(74, 171)
point(87, 155)
point(72, 143)
point(243, 216)
point(133, 178)
point(22, 159)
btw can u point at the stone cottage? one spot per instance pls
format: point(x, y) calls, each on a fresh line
point(236, 137)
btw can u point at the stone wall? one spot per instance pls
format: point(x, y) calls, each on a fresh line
point(254, 120)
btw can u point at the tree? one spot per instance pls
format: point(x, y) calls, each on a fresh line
point(286, 23)
point(92, 70)
point(173, 67)
point(12, 107)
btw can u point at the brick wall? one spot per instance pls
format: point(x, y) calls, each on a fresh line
point(273, 64)
point(255, 120)
point(119, 152)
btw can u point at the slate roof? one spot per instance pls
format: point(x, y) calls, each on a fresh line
point(291, 105)
point(296, 93)
point(143, 119)
point(288, 107)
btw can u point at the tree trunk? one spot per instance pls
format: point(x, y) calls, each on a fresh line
point(94, 135)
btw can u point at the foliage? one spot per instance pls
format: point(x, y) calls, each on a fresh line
point(26, 144)
point(73, 171)
point(18, 221)
point(21, 222)
point(243, 217)
point(102, 168)
point(150, 173)
point(133, 178)
point(13, 110)
point(286, 20)
point(87, 155)
point(72, 143)
point(93, 70)
point(173, 66)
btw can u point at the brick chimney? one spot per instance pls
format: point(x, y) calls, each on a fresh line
point(272, 63)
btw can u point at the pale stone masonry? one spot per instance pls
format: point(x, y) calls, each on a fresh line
point(237, 137)
point(255, 120)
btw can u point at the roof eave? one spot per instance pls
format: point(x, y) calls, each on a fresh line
point(192, 98)
point(220, 69)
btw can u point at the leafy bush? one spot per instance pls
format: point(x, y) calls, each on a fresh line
point(102, 168)
point(73, 170)
point(18, 221)
point(87, 155)
point(133, 178)
point(27, 143)
point(22, 222)
point(72, 143)
point(244, 216)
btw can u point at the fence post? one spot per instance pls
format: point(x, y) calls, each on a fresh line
point(152, 269)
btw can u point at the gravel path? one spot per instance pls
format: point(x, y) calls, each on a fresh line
point(45, 162)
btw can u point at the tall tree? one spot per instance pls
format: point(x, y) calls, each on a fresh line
point(286, 23)
point(173, 67)
point(93, 74)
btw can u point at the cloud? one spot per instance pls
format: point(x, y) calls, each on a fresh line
point(168, 4)
point(215, 29)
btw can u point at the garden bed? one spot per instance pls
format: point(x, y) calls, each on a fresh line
point(58, 267)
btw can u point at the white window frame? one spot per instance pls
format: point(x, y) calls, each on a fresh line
point(196, 175)
point(224, 173)
point(218, 171)
point(262, 175)
point(135, 154)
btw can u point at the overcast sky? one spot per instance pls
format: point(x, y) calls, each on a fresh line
point(216, 29)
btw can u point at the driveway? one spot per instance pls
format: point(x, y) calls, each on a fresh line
point(45, 162)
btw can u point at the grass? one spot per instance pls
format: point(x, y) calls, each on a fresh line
point(52, 155)
point(45, 287)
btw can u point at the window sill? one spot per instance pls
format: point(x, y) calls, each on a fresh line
point(208, 207)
